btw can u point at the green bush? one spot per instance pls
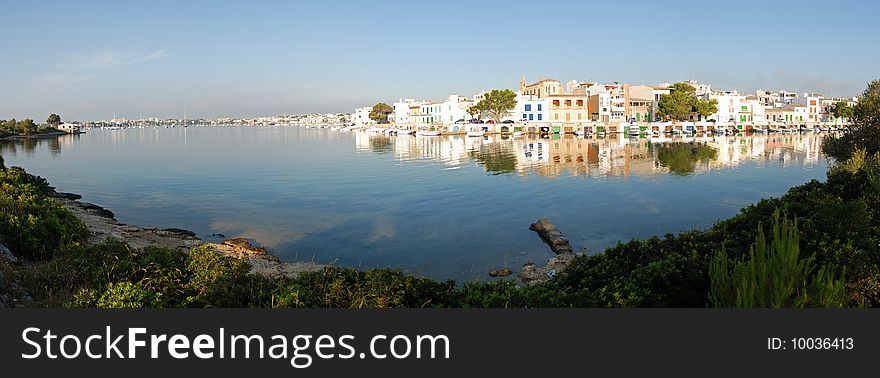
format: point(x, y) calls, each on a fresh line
point(774, 274)
point(33, 225)
point(128, 295)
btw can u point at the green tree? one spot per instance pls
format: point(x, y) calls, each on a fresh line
point(864, 128)
point(867, 110)
point(774, 274)
point(678, 104)
point(54, 120)
point(706, 108)
point(27, 127)
point(682, 101)
point(380, 112)
point(497, 104)
point(842, 110)
point(474, 112)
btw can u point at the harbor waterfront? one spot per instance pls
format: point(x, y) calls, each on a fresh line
point(440, 206)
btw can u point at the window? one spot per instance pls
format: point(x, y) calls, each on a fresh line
point(528, 107)
point(555, 102)
point(531, 117)
point(580, 102)
point(524, 115)
point(539, 116)
point(539, 107)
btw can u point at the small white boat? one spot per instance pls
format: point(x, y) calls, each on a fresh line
point(517, 134)
point(476, 133)
point(403, 131)
point(428, 133)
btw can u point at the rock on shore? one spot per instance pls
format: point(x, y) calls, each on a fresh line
point(102, 224)
point(532, 273)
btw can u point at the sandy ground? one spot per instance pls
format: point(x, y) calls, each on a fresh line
point(102, 224)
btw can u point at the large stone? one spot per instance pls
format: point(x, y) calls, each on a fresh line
point(70, 196)
point(243, 245)
point(6, 254)
point(99, 210)
point(180, 231)
point(552, 236)
point(503, 272)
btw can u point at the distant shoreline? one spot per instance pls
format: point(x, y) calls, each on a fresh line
point(40, 136)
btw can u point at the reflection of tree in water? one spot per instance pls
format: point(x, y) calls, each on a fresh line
point(13, 147)
point(380, 144)
point(495, 158)
point(54, 146)
point(681, 158)
point(29, 145)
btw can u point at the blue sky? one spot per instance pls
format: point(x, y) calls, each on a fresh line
point(91, 60)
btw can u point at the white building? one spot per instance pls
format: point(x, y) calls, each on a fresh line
point(401, 113)
point(730, 105)
point(530, 108)
point(445, 112)
point(361, 116)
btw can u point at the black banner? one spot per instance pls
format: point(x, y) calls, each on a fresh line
point(502, 342)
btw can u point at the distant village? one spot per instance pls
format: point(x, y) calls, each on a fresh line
point(325, 119)
point(550, 106)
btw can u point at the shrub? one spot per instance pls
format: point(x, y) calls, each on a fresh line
point(33, 225)
point(128, 295)
point(774, 275)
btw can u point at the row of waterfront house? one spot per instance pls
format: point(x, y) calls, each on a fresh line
point(550, 106)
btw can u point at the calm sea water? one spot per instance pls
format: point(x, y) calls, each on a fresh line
point(445, 207)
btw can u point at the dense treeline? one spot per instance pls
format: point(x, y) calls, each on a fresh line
point(816, 246)
point(28, 126)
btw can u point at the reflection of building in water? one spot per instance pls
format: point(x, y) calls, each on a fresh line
point(616, 155)
point(451, 150)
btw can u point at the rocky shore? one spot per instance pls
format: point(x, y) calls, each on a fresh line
point(103, 224)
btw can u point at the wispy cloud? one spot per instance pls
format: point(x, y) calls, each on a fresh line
point(110, 58)
point(63, 79)
point(82, 67)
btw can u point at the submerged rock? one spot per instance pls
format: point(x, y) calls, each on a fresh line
point(552, 236)
point(531, 273)
point(180, 231)
point(504, 272)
